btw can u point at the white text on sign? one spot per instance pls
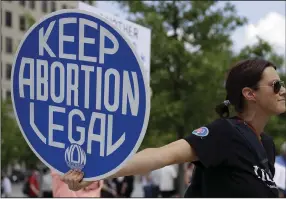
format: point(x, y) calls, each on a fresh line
point(82, 40)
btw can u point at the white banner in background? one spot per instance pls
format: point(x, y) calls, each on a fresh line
point(139, 36)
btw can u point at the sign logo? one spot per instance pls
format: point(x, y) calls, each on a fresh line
point(71, 152)
point(80, 94)
point(202, 132)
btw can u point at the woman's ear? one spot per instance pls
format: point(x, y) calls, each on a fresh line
point(248, 94)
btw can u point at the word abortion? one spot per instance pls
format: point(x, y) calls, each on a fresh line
point(40, 85)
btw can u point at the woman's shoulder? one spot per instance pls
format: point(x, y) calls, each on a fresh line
point(220, 125)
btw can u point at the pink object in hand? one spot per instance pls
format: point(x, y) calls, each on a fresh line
point(61, 189)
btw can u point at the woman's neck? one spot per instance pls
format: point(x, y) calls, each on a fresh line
point(256, 119)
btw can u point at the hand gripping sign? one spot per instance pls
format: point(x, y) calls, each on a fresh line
point(80, 94)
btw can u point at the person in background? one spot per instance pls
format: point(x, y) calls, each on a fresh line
point(108, 189)
point(280, 171)
point(60, 189)
point(118, 183)
point(167, 181)
point(47, 183)
point(127, 186)
point(6, 186)
point(155, 175)
point(188, 173)
point(2, 189)
point(33, 181)
point(147, 184)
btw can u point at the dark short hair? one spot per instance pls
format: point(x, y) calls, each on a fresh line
point(246, 73)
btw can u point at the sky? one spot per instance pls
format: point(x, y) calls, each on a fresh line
point(265, 19)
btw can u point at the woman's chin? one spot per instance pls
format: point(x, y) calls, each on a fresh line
point(282, 109)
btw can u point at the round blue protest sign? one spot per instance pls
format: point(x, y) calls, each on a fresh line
point(80, 94)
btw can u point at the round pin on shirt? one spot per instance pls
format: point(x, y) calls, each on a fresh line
point(202, 132)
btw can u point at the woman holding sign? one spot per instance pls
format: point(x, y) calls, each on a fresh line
point(234, 154)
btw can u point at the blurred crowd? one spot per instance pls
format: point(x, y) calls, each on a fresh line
point(159, 183)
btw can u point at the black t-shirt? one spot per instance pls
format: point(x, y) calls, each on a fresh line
point(228, 166)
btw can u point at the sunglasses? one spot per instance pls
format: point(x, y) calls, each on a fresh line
point(277, 85)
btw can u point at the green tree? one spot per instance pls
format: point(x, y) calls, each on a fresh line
point(261, 49)
point(29, 19)
point(13, 144)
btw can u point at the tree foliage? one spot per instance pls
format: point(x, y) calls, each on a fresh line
point(13, 144)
